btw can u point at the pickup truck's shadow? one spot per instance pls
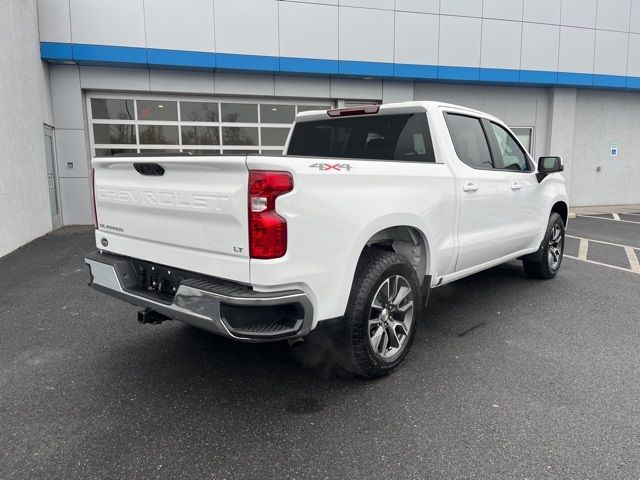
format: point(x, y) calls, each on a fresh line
point(175, 372)
point(454, 311)
point(474, 301)
point(179, 358)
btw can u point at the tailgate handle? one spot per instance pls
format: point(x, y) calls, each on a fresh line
point(149, 169)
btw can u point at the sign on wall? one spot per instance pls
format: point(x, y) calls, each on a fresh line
point(613, 150)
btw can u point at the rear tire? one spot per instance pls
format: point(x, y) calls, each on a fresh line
point(545, 263)
point(382, 313)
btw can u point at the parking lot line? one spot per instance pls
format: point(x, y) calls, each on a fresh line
point(603, 264)
point(610, 219)
point(599, 241)
point(633, 259)
point(583, 249)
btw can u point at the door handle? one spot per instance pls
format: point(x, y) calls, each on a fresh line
point(470, 187)
point(516, 186)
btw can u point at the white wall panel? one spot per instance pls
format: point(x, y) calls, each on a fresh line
point(181, 81)
point(601, 118)
point(247, 26)
point(416, 38)
point(459, 43)
point(542, 11)
point(66, 96)
point(503, 9)
point(423, 6)
point(393, 92)
point(576, 50)
point(45, 89)
point(319, 24)
point(501, 41)
point(302, 87)
point(71, 148)
point(76, 201)
point(111, 78)
point(345, 88)
point(611, 53)
point(174, 25)
point(24, 196)
point(366, 34)
point(540, 44)
point(53, 21)
point(634, 24)
point(236, 84)
point(579, 13)
point(383, 4)
point(614, 15)
point(470, 8)
point(116, 22)
point(322, 2)
point(633, 62)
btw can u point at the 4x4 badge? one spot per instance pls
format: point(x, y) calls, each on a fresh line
point(323, 167)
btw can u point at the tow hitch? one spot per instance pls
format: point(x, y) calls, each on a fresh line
point(149, 315)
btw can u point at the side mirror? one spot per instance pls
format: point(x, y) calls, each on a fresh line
point(547, 165)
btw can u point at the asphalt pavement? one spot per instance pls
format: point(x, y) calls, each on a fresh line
point(508, 378)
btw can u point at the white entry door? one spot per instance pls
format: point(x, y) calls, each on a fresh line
point(52, 178)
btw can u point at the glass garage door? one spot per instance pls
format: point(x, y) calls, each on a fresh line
point(121, 124)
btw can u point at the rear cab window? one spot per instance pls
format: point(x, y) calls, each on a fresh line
point(469, 140)
point(401, 137)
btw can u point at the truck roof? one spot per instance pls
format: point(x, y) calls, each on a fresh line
point(401, 107)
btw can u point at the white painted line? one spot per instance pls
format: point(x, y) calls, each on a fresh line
point(609, 219)
point(602, 264)
point(616, 216)
point(634, 214)
point(602, 241)
point(633, 259)
point(584, 248)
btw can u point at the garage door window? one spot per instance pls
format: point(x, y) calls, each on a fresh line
point(128, 125)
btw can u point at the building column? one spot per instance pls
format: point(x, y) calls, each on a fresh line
point(71, 145)
point(561, 129)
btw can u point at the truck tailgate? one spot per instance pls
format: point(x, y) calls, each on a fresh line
point(191, 213)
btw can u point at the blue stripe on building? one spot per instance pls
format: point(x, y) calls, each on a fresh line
point(106, 55)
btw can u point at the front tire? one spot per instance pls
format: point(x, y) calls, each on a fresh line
point(545, 263)
point(382, 313)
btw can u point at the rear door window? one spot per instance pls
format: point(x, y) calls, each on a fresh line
point(469, 140)
point(402, 137)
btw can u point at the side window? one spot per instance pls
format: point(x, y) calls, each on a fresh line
point(513, 157)
point(469, 140)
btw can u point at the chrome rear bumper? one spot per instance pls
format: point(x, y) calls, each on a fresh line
point(229, 309)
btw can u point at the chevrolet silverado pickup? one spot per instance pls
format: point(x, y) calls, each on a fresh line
point(367, 210)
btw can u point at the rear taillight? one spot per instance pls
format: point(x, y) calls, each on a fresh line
point(267, 229)
point(94, 211)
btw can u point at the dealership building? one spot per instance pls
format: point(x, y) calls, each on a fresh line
point(84, 78)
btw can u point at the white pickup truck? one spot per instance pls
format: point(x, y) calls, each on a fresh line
point(367, 210)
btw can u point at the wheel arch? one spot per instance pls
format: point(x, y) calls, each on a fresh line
point(561, 208)
point(407, 240)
